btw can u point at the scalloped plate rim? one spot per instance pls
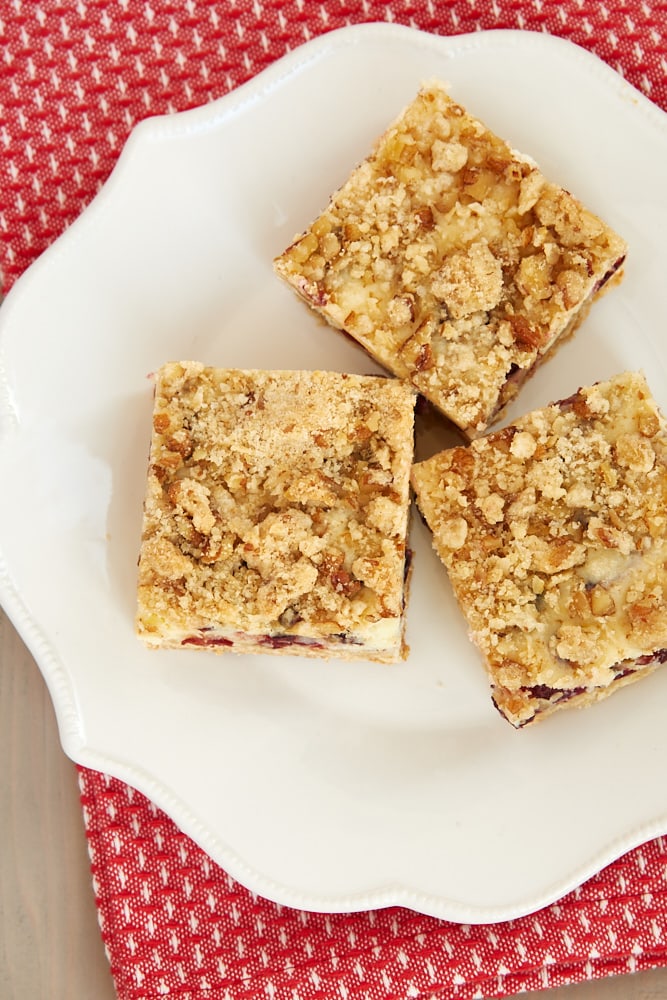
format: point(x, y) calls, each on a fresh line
point(55, 672)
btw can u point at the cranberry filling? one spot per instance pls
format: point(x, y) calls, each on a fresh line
point(556, 695)
point(543, 691)
point(346, 639)
point(513, 379)
point(660, 655)
point(610, 273)
point(546, 693)
point(281, 641)
point(568, 402)
point(514, 374)
point(202, 640)
point(271, 641)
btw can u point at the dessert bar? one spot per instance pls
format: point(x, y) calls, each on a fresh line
point(452, 260)
point(276, 512)
point(554, 533)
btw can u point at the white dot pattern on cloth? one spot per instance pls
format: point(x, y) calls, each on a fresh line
point(75, 78)
point(174, 923)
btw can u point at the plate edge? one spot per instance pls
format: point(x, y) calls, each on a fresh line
point(379, 897)
point(56, 673)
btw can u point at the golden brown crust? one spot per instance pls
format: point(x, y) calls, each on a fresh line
point(451, 259)
point(554, 534)
point(276, 512)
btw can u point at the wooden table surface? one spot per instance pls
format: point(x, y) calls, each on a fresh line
point(50, 945)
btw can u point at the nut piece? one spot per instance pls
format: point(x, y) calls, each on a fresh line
point(602, 603)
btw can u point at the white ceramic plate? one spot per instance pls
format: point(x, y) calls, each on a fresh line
point(327, 786)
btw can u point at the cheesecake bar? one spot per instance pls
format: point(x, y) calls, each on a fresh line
point(553, 531)
point(452, 260)
point(275, 514)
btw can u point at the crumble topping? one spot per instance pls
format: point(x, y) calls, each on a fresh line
point(276, 504)
point(452, 260)
point(554, 533)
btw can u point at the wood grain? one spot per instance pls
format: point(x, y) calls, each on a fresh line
point(50, 945)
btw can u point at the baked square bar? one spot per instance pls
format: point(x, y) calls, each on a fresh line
point(276, 513)
point(452, 260)
point(554, 534)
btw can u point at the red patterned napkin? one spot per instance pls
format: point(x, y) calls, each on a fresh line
point(74, 79)
point(175, 924)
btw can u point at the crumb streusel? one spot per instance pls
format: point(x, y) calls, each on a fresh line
point(553, 531)
point(452, 260)
point(276, 512)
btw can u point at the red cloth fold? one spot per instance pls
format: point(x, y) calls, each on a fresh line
point(176, 924)
point(74, 79)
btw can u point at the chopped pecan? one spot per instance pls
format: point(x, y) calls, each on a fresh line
point(425, 219)
point(180, 442)
point(498, 164)
point(161, 422)
point(424, 358)
point(602, 603)
point(579, 607)
point(525, 335)
point(344, 583)
point(361, 432)
point(170, 460)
